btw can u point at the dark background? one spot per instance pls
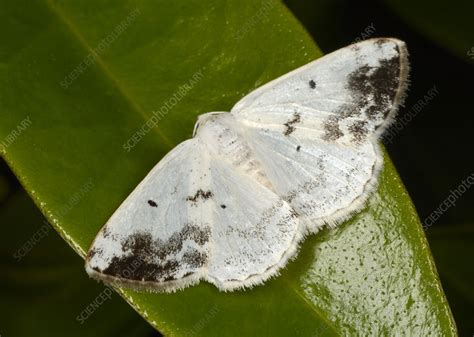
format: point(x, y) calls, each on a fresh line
point(432, 153)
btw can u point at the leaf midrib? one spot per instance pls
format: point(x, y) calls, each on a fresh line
point(314, 309)
point(134, 105)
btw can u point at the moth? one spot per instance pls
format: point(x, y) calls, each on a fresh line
point(231, 205)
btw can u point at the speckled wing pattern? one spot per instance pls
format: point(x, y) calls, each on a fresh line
point(231, 205)
point(315, 129)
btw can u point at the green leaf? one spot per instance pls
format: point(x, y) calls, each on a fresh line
point(447, 24)
point(44, 291)
point(373, 274)
point(453, 248)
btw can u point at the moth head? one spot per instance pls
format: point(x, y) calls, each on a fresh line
point(203, 119)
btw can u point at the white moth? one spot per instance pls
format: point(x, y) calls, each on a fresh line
point(231, 205)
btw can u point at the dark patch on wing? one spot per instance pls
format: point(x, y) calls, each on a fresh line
point(195, 258)
point(223, 206)
point(298, 148)
point(373, 91)
point(359, 131)
point(374, 88)
point(106, 232)
point(312, 84)
point(155, 260)
point(200, 194)
point(144, 270)
point(332, 131)
point(152, 203)
point(94, 251)
point(289, 125)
